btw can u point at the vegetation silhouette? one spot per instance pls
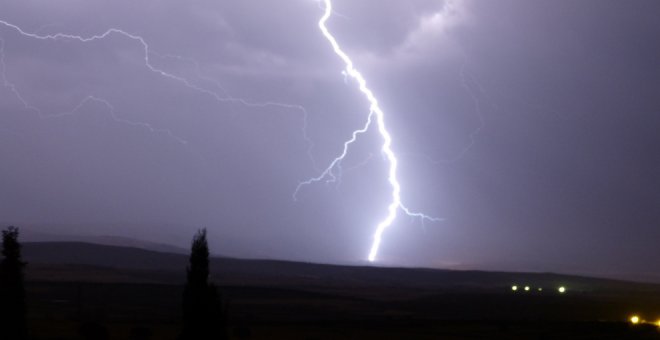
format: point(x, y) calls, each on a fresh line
point(13, 323)
point(203, 314)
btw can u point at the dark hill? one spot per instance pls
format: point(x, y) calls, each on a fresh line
point(89, 254)
point(119, 286)
point(62, 261)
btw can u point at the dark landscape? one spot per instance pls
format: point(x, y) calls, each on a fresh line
point(125, 290)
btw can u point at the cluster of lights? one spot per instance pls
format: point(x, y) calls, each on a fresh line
point(515, 288)
point(636, 320)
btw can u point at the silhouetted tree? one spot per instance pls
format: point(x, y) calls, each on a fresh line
point(13, 323)
point(203, 317)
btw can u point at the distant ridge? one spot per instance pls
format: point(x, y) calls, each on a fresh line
point(31, 235)
point(90, 254)
point(78, 261)
point(36, 234)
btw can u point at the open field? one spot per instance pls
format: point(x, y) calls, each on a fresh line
point(137, 292)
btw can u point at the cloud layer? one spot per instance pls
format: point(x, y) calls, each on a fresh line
point(528, 125)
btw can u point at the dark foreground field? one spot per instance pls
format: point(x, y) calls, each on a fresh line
point(75, 289)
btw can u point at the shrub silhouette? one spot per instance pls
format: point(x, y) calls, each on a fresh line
point(203, 317)
point(13, 324)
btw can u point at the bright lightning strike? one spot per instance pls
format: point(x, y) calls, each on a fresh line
point(377, 115)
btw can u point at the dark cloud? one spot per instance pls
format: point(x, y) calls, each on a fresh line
point(528, 125)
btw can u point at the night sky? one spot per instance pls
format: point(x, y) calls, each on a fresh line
point(530, 127)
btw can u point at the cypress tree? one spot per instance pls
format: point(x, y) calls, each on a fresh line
point(202, 312)
point(13, 324)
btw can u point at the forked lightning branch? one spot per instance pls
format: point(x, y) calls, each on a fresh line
point(376, 116)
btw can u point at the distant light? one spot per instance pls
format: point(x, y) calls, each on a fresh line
point(657, 323)
point(527, 288)
point(562, 289)
point(634, 319)
point(540, 289)
point(514, 288)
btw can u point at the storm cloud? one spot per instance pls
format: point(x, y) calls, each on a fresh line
point(529, 126)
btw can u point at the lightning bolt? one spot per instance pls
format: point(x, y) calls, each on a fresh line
point(148, 52)
point(113, 114)
point(12, 87)
point(8, 84)
point(247, 103)
point(375, 115)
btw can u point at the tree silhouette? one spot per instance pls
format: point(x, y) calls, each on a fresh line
point(13, 324)
point(202, 311)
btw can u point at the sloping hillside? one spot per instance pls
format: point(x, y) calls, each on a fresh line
point(63, 261)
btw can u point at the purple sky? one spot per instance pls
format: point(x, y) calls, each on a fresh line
point(529, 126)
